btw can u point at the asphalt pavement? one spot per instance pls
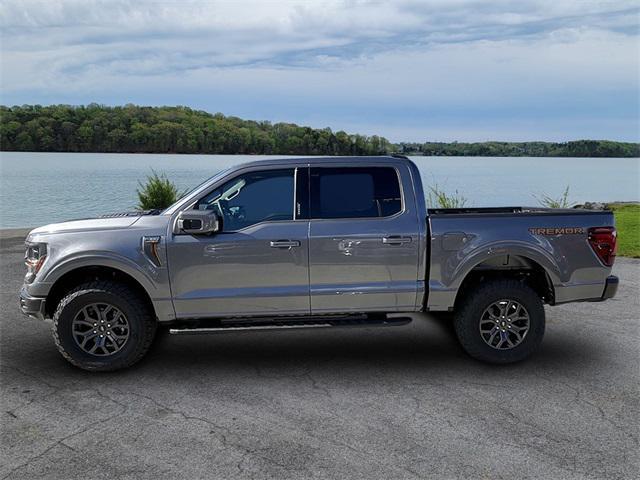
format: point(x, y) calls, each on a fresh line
point(388, 403)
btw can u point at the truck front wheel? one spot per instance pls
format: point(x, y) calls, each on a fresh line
point(502, 321)
point(103, 326)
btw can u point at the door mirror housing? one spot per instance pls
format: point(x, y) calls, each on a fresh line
point(197, 222)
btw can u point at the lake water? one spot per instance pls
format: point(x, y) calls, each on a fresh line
point(41, 188)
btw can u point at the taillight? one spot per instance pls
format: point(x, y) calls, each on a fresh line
point(603, 240)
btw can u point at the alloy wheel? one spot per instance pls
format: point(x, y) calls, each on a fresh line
point(100, 329)
point(504, 324)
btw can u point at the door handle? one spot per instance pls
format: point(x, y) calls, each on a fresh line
point(284, 243)
point(396, 240)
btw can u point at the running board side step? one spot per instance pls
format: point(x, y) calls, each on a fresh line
point(242, 325)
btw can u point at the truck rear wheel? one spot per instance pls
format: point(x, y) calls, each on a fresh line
point(502, 321)
point(103, 326)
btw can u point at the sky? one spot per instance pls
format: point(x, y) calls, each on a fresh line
point(431, 70)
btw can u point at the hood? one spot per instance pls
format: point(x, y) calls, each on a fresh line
point(87, 225)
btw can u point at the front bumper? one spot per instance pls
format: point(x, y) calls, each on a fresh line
point(31, 306)
point(610, 287)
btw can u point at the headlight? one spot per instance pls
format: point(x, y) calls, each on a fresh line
point(34, 257)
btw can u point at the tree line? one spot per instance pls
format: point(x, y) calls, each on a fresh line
point(136, 129)
point(578, 148)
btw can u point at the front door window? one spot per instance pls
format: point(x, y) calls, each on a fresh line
point(254, 197)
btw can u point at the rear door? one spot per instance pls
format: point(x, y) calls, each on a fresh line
point(363, 239)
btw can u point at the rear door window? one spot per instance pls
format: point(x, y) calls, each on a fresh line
point(354, 192)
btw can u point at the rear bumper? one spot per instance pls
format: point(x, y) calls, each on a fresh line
point(31, 306)
point(610, 287)
point(591, 292)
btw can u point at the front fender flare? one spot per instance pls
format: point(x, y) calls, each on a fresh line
point(102, 259)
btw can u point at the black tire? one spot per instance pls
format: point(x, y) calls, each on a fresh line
point(474, 305)
point(141, 325)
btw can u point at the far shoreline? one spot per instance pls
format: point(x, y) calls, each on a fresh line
point(180, 129)
point(189, 154)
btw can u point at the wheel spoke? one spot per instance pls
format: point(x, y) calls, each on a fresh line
point(106, 311)
point(85, 334)
point(86, 323)
point(90, 335)
point(488, 329)
point(96, 311)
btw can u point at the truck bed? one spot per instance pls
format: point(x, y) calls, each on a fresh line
point(554, 241)
point(507, 211)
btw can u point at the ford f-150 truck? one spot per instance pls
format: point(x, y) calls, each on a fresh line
point(309, 243)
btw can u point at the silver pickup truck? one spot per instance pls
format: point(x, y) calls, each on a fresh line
point(309, 243)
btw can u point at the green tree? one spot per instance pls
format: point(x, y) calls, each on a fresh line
point(157, 193)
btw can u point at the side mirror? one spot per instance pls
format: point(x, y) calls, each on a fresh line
point(197, 222)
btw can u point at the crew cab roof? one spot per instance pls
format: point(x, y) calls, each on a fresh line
point(351, 160)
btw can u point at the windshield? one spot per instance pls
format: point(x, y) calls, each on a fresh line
point(196, 189)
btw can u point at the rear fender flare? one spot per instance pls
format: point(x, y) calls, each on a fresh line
point(539, 256)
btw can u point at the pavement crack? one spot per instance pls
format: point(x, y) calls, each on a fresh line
point(222, 431)
point(579, 398)
point(61, 442)
point(315, 385)
point(34, 377)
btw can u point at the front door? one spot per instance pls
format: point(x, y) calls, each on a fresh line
point(363, 244)
point(257, 264)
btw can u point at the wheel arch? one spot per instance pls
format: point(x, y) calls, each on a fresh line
point(519, 266)
point(81, 274)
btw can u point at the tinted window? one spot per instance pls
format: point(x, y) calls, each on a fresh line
point(252, 198)
point(354, 192)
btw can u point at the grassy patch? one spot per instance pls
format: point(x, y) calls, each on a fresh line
point(628, 226)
